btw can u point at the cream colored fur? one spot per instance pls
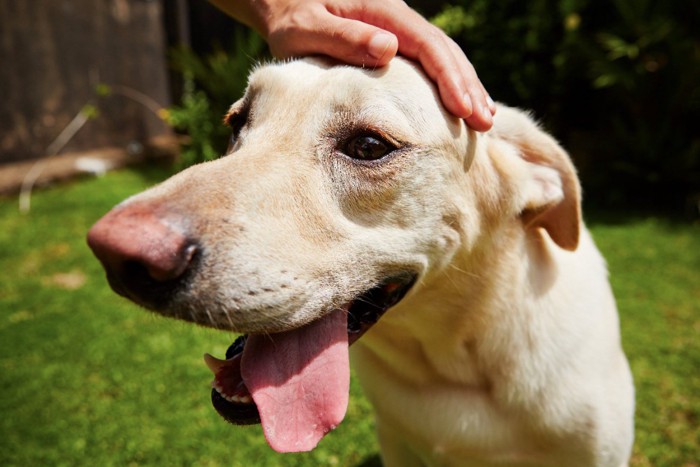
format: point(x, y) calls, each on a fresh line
point(507, 350)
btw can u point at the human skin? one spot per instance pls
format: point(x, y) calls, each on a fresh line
point(369, 33)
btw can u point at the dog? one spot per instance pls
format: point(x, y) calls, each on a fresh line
point(351, 208)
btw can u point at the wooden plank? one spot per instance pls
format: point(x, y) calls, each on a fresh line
point(39, 173)
point(55, 54)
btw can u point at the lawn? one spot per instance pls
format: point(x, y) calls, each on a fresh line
point(89, 379)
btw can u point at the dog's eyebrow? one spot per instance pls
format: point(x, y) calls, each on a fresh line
point(368, 107)
point(415, 117)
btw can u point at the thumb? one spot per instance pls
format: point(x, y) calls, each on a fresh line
point(347, 40)
point(382, 46)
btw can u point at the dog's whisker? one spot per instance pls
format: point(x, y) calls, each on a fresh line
point(363, 300)
point(471, 274)
point(193, 314)
point(228, 318)
point(455, 284)
point(211, 318)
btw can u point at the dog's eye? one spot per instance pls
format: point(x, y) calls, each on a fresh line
point(368, 148)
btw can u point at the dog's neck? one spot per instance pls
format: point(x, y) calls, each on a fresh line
point(471, 286)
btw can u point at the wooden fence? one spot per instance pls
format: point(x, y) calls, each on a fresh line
point(97, 66)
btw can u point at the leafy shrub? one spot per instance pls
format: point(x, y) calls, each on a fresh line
point(618, 81)
point(643, 65)
point(211, 85)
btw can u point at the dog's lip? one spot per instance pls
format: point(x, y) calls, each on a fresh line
point(229, 395)
point(367, 308)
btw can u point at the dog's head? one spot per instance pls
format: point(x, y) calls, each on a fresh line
point(341, 188)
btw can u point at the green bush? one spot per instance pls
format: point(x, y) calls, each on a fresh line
point(211, 85)
point(617, 81)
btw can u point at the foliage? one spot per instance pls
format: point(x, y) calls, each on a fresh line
point(618, 81)
point(89, 379)
point(644, 65)
point(211, 85)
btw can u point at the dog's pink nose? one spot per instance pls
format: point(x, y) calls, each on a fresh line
point(140, 251)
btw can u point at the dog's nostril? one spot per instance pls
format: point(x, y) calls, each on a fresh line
point(169, 264)
point(145, 256)
point(163, 266)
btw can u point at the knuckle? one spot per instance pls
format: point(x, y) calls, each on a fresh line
point(289, 33)
point(293, 21)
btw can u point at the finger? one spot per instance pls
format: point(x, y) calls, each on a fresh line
point(348, 40)
point(453, 78)
point(442, 59)
point(460, 88)
point(483, 107)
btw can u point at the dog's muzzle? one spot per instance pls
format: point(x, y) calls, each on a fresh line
point(229, 394)
point(150, 260)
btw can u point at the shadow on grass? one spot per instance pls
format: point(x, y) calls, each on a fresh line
point(372, 461)
point(621, 217)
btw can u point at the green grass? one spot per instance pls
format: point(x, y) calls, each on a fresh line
point(655, 273)
point(89, 379)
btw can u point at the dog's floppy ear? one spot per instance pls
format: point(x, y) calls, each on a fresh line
point(551, 194)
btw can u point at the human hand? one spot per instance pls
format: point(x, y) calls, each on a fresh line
point(369, 33)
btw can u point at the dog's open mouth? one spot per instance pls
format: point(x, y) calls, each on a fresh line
point(296, 383)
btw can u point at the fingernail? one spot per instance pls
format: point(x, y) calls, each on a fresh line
point(490, 102)
point(379, 44)
point(467, 100)
point(486, 114)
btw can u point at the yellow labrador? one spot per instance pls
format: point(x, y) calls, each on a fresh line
point(349, 197)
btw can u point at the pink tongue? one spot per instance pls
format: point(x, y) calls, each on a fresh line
point(300, 381)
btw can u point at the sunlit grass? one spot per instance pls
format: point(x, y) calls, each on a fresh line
point(655, 272)
point(89, 379)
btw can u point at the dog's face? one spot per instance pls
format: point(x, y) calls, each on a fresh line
point(336, 180)
point(341, 189)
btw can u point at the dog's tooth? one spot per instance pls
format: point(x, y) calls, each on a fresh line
point(214, 364)
point(239, 399)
